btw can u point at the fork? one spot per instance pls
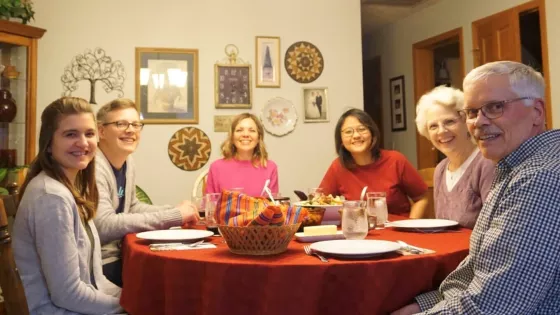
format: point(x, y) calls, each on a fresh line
point(309, 252)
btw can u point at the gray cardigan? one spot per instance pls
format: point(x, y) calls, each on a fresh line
point(136, 216)
point(464, 201)
point(52, 252)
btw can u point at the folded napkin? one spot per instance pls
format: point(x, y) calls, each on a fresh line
point(238, 209)
point(179, 246)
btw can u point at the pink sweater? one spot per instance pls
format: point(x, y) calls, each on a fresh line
point(230, 173)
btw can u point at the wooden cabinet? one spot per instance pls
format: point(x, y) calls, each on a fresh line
point(18, 86)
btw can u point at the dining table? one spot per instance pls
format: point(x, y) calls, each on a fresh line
point(217, 282)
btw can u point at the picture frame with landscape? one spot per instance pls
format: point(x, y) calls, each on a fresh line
point(267, 62)
point(167, 85)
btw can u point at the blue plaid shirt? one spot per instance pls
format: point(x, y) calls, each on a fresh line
point(513, 266)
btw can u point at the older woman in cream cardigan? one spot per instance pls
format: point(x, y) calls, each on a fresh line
point(463, 179)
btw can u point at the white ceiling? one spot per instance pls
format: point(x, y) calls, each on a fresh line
point(377, 13)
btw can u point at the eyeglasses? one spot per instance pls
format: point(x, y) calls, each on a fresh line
point(123, 125)
point(349, 132)
point(447, 123)
point(491, 110)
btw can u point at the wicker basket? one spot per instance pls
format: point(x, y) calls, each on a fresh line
point(258, 240)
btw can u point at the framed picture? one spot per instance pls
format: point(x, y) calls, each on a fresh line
point(232, 85)
point(267, 61)
point(398, 107)
point(315, 104)
point(167, 85)
point(222, 123)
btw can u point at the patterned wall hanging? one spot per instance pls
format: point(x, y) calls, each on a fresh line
point(189, 149)
point(304, 62)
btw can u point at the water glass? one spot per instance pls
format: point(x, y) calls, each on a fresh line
point(199, 203)
point(354, 220)
point(211, 202)
point(377, 206)
point(315, 193)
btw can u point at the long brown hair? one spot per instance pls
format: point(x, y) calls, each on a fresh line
point(344, 156)
point(260, 155)
point(84, 189)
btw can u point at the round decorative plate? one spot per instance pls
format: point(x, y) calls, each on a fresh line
point(189, 148)
point(304, 62)
point(279, 116)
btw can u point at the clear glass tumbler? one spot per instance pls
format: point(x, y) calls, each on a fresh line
point(354, 220)
point(377, 206)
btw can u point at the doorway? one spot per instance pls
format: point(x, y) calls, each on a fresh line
point(517, 34)
point(372, 92)
point(436, 61)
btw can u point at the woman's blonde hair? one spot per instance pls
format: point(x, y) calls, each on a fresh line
point(84, 189)
point(260, 155)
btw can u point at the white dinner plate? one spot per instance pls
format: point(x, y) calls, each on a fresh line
point(355, 248)
point(175, 235)
point(331, 217)
point(423, 224)
point(317, 238)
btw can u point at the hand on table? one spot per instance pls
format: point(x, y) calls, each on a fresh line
point(189, 212)
point(408, 310)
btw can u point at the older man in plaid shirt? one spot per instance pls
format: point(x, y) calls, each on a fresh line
point(513, 266)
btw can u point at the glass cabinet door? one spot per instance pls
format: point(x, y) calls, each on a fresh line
point(13, 104)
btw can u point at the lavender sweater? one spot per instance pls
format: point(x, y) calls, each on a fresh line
point(464, 201)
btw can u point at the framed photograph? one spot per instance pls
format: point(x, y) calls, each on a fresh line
point(398, 107)
point(267, 61)
point(232, 85)
point(315, 104)
point(222, 123)
point(167, 85)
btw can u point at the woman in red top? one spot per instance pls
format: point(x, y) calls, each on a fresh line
point(362, 163)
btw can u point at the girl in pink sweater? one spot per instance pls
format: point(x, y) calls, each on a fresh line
point(245, 162)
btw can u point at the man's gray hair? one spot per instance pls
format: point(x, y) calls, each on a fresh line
point(523, 80)
point(448, 97)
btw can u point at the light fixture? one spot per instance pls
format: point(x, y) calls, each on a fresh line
point(443, 73)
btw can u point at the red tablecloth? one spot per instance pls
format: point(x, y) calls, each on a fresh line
point(217, 282)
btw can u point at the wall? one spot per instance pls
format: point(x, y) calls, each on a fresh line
point(119, 26)
point(394, 44)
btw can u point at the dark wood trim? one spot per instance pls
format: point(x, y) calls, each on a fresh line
point(21, 29)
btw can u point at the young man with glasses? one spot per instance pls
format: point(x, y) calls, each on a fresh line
point(513, 263)
point(119, 212)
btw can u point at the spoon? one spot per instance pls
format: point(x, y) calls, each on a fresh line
point(265, 186)
point(363, 195)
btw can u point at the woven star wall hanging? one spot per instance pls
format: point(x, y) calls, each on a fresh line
point(304, 62)
point(189, 148)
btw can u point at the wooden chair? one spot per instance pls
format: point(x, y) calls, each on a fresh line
point(15, 302)
point(200, 184)
point(428, 177)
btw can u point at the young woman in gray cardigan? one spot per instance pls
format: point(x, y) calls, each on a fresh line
point(119, 211)
point(56, 246)
point(463, 179)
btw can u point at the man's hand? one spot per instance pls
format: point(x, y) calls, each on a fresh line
point(189, 212)
point(408, 310)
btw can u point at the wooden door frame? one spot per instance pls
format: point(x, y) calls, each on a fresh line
point(531, 5)
point(424, 80)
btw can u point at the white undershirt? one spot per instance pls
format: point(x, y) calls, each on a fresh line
point(451, 178)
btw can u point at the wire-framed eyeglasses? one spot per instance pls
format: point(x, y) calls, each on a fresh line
point(491, 110)
point(349, 132)
point(123, 125)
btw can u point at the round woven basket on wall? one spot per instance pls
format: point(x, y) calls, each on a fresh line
point(258, 240)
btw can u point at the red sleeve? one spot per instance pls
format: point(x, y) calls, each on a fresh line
point(329, 183)
point(411, 182)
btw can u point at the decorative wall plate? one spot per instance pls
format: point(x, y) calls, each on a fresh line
point(304, 62)
point(189, 148)
point(279, 116)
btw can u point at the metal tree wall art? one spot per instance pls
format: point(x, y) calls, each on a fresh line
point(94, 66)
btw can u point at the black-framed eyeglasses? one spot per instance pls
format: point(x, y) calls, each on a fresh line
point(123, 125)
point(349, 132)
point(492, 110)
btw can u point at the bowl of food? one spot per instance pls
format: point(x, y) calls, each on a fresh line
point(330, 204)
point(314, 217)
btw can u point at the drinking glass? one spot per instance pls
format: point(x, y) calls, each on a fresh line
point(211, 202)
point(377, 206)
point(354, 220)
point(199, 203)
point(314, 193)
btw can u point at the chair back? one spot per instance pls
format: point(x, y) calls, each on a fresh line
point(200, 184)
point(15, 302)
point(428, 177)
